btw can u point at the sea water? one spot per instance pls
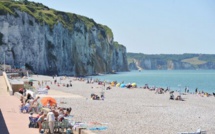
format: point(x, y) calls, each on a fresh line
point(204, 80)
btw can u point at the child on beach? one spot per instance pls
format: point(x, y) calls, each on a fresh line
point(22, 104)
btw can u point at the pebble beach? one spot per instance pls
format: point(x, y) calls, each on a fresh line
point(132, 111)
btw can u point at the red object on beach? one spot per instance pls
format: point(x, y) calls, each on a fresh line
point(49, 100)
point(47, 87)
point(21, 89)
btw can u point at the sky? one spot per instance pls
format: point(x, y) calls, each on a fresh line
point(151, 26)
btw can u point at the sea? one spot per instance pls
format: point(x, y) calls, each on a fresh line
point(176, 80)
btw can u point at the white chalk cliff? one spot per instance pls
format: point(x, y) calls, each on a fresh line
point(56, 49)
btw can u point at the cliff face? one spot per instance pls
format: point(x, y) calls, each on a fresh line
point(56, 49)
point(151, 64)
point(171, 62)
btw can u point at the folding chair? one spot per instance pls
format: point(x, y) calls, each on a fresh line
point(33, 122)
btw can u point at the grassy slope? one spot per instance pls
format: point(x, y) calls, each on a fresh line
point(194, 61)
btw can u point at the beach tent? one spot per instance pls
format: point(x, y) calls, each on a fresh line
point(122, 85)
point(118, 84)
point(112, 83)
point(134, 84)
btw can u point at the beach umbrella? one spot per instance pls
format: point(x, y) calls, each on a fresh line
point(48, 100)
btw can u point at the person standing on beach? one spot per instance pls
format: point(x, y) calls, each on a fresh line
point(70, 83)
point(196, 90)
point(40, 120)
point(51, 120)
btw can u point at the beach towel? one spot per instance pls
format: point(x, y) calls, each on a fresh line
point(42, 91)
point(98, 128)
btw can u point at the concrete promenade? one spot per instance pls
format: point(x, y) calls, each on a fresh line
point(11, 120)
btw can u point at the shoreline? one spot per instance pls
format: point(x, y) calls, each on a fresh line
point(164, 81)
point(174, 87)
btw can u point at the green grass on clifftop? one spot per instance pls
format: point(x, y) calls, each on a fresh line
point(194, 61)
point(44, 14)
point(117, 45)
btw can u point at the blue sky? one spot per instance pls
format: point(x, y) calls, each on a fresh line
point(151, 26)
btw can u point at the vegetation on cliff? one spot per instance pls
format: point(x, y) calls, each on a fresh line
point(45, 15)
point(194, 61)
point(117, 45)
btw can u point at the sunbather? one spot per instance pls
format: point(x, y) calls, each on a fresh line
point(159, 90)
point(108, 88)
point(25, 107)
point(179, 98)
point(28, 97)
point(171, 96)
point(95, 97)
point(68, 111)
point(61, 115)
point(34, 104)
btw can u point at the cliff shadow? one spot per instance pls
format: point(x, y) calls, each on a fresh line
point(3, 126)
